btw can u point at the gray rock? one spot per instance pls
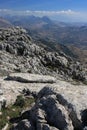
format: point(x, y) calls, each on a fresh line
point(18, 53)
point(48, 113)
point(55, 114)
point(55, 111)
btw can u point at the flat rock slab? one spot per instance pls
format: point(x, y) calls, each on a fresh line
point(30, 78)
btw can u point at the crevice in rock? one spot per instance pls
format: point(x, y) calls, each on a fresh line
point(59, 126)
point(57, 118)
point(72, 114)
point(84, 117)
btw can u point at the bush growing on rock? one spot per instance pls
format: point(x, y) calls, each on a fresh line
point(20, 101)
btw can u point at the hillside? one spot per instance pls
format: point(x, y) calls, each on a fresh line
point(72, 35)
point(45, 28)
point(18, 53)
point(38, 84)
point(43, 65)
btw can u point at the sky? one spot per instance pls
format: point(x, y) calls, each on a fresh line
point(61, 10)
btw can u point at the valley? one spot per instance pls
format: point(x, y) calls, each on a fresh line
point(72, 36)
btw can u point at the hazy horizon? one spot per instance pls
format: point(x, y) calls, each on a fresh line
point(60, 10)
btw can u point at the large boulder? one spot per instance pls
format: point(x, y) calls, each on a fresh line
point(55, 110)
point(47, 113)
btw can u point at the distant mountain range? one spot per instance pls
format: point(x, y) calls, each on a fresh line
point(72, 36)
point(64, 33)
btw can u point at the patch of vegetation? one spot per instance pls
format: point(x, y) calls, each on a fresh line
point(20, 101)
point(14, 110)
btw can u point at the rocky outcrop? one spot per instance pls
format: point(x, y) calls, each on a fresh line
point(52, 111)
point(58, 102)
point(18, 53)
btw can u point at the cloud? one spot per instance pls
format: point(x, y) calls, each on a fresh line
point(29, 12)
point(61, 15)
point(62, 12)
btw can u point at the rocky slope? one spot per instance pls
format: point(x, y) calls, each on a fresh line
point(59, 105)
point(18, 53)
point(72, 35)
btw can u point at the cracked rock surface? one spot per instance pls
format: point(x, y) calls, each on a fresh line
point(52, 111)
point(19, 53)
point(59, 105)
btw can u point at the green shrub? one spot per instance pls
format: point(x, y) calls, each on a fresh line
point(20, 101)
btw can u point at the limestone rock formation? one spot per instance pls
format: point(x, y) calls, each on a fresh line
point(18, 53)
point(51, 111)
point(58, 105)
